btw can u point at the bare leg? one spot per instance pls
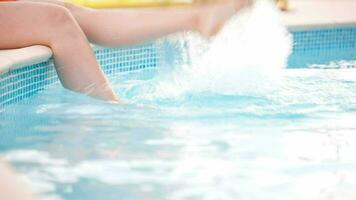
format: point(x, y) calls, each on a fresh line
point(113, 27)
point(28, 23)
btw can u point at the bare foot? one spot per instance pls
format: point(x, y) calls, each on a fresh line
point(212, 17)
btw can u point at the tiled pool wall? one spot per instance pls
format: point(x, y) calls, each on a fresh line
point(322, 46)
point(20, 83)
point(314, 46)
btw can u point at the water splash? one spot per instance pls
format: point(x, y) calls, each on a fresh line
point(250, 51)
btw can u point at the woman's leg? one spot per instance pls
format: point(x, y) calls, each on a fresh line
point(28, 23)
point(113, 27)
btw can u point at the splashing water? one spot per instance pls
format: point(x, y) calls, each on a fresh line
point(249, 52)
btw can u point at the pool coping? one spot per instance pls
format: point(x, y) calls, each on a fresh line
point(306, 14)
point(16, 58)
point(301, 17)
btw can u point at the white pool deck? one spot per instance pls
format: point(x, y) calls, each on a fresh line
point(303, 14)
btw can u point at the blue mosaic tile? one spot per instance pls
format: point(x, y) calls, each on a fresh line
point(26, 81)
point(321, 46)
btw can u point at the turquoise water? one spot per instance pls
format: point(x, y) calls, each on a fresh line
point(291, 138)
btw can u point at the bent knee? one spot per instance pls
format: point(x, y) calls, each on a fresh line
point(41, 12)
point(20, 19)
point(58, 15)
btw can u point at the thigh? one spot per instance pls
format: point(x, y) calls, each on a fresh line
point(26, 23)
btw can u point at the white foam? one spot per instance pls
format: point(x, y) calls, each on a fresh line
point(248, 53)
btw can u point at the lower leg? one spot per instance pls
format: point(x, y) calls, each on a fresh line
point(130, 26)
point(75, 62)
point(78, 68)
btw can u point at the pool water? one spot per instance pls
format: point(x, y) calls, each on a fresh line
point(295, 140)
point(228, 123)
